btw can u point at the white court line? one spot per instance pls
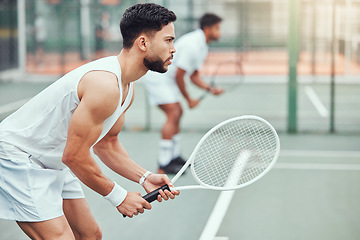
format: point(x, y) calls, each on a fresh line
point(223, 202)
point(224, 199)
point(12, 106)
point(318, 166)
point(316, 101)
point(325, 154)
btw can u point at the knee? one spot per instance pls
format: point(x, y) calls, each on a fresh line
point(176, 112)
point(180, 112)
point(94, 234)
point(173, 111)
point(98, 234)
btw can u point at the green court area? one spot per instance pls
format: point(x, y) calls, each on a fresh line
point(312, 193)
point(264, 96)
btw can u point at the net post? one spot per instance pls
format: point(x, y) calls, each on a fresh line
point(332, 84)
point(293, 50)
point(21, 8)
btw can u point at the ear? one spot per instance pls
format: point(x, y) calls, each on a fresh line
point(142, 43)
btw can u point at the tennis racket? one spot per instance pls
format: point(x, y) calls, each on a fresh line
point(232, 155)
point(229, 84)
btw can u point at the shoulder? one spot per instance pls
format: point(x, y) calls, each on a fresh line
point(195, 35)
point(189, 42)
point(103, 81)
point(100, 91)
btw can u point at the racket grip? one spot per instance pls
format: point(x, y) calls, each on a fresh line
point(152, 196)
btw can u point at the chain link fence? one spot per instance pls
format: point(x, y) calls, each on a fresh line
point(61, 35)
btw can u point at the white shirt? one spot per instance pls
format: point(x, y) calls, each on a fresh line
point(190, 55)
point(40, 127)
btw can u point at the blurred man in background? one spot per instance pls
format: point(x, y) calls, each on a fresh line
point(165, 90)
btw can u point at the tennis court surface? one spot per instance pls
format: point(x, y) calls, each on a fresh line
point(312, 193)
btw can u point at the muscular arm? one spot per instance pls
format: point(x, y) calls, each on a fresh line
point(99, 96)
point(114, 155)
point(196, 79)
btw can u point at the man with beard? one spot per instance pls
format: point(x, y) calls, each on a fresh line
point(165, 90)
point(52, 135)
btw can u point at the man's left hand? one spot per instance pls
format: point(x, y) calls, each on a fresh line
point(154, 181)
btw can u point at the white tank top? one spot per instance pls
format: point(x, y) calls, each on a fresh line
point(40, 127)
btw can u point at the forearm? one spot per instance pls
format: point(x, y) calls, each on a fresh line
point(115, 156)
point(197, 80)
point(88, 172)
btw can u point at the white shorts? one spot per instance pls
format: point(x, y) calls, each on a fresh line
point(30, 193)
point(161, 89)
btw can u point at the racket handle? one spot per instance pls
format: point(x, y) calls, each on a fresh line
point(152, 196)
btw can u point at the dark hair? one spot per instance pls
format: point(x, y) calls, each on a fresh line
point(209, 19)
point(143, 18)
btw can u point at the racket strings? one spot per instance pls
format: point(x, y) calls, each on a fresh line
point(243, 148)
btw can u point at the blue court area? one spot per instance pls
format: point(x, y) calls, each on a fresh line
point(312, 193)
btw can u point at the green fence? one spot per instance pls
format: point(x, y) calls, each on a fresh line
point(306, 51)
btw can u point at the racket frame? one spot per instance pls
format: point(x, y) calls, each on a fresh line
point(192, 157)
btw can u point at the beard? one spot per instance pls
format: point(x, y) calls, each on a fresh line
point(155, 64)
point(214, 38)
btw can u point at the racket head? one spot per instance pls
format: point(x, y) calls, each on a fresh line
point(244, 147)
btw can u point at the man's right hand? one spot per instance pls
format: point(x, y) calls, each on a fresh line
point(193, 102)
point(133, 205)
point(216, 90)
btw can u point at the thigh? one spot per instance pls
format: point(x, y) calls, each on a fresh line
point(80, 218)
point(57, 228)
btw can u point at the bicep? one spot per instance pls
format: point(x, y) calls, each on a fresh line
point(84, 129)
point(111, 138)
point(86, 124)
point(110, 141)
point(119, 124)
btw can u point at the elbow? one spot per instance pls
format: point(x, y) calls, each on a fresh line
point(98, 148)
point(105, 145)
point(71, 158)
point(67, 159)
